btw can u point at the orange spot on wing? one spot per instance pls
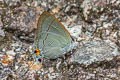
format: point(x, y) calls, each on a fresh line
point(37, 51)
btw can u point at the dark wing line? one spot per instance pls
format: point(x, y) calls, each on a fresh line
point(45, 12)
point(54, 34)
point(47, 34)
point(56, 29)
point(39, 29)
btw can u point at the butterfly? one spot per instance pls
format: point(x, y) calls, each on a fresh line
point(52, 39)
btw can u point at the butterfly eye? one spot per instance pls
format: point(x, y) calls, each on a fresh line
point(37, 52)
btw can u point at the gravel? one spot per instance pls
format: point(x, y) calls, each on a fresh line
point(95, 24)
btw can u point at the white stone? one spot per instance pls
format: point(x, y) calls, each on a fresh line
point(76, 31)
point(2, 32)
point(11, 53)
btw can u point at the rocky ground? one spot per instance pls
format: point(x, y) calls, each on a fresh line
point(95, 24)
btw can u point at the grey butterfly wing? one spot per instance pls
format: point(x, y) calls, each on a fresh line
point(51, 36)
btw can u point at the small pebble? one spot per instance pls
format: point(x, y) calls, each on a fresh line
point(11, 53)
point(51, 69)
